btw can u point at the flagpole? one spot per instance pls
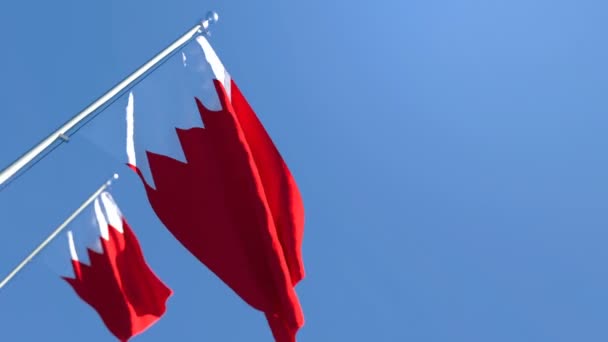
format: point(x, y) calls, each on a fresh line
point(61, 134)
point(56, 232)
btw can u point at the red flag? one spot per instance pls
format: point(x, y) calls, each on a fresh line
point(233, 203)
point(117, 282)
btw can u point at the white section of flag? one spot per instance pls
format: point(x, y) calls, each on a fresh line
point(216, 64)
point(73, 253)
point(131, 130)
point(112, 212)
point(102, 223)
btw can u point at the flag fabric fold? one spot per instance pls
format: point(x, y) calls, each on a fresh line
point(232, 201)
point(117, 282)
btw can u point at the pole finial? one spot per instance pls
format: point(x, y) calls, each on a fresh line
point(210, 18)
point(114, 177)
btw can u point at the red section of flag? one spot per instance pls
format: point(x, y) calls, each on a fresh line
point(282, 194)
point(235, 206)
point(120, 285)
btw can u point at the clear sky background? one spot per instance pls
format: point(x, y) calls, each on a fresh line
point(451, 156)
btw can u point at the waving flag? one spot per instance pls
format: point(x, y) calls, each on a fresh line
point(221, 187)
point(116, 281)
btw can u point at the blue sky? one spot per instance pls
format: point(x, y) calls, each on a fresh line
point(451, 156)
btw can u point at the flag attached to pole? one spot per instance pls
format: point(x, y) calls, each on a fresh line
point(116, 281)
point(220, 185)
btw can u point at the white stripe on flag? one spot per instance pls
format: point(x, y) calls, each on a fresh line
point(130, 131)
point(73, 253)
point(101, 221)
point(112, 211)
point(216, 64)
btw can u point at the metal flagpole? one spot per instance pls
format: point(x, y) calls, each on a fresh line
point(56, 232)
point(62, 132)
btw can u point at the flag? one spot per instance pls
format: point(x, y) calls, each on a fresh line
point(223, 190)
point(117, 282)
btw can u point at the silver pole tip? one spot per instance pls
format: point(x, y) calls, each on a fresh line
point(211, 18)
point(109, 182)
